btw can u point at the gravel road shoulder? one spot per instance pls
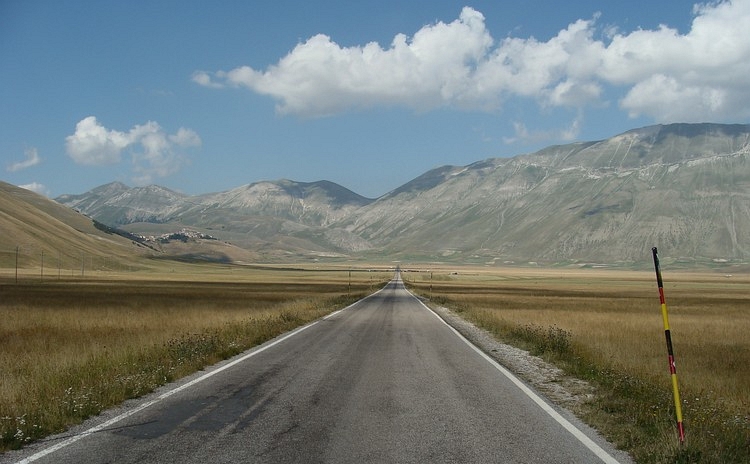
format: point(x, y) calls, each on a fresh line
point(565, 391)
point(558, 387)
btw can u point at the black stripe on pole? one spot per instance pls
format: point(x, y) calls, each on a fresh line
point(659, 282)
point(668, 335)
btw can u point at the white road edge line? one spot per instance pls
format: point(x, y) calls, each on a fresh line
point(575, 431)
point(171, 392)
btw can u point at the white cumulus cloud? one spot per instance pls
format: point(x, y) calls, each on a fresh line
point(154, 152)
point(698, 76)
point(319, 77)
point(94, 144)
point(32, 159)
point(663, 74)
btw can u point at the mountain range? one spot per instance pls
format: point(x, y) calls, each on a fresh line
point(684, 188)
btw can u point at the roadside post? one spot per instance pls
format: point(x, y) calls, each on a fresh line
point(670, 352)
point(430, 284)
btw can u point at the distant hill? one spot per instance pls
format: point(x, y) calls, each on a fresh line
point(35, 225)
point(117, 204)
point(682, 187)
point(276, 219)
point(67, 242)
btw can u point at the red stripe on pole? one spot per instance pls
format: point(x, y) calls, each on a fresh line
point(672, 366)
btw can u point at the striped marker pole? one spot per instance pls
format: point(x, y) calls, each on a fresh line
point(670, 352)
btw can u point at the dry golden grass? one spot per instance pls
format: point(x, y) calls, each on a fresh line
point(68, 349)
point(614, 325)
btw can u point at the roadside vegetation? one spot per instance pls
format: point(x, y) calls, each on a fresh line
point(606, 328)
point(72, 348)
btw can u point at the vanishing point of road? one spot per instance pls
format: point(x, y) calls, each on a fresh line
point(383, 381)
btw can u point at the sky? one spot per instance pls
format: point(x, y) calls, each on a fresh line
point(202, 97)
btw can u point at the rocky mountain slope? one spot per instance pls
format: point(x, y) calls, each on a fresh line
point(682, 187)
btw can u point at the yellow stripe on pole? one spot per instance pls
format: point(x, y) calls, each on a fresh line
point(665, 316)
point(677, 403)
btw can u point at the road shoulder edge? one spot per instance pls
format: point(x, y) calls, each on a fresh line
point(541, 381)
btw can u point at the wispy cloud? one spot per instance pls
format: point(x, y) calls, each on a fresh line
point(154, 152)
point(668, 76)
point(41, 189)
point(204, 78)
point(32, 159)
point(524, 135)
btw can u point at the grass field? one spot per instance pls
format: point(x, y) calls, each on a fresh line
point(71, 348)
point(606, 327)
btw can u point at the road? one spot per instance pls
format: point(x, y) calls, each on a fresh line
point(385, 380)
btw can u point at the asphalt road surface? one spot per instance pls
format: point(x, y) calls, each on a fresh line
point(385, 380)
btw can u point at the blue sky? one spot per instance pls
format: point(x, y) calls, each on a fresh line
point(206, 96)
